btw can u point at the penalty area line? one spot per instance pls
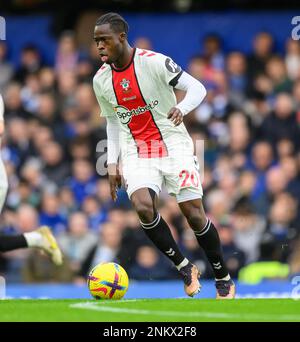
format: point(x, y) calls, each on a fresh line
point(105, 308)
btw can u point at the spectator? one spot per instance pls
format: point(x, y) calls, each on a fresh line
point(50, 213)
point(239, 139)
point(237, 78)
point(290, 169)
point(262, 160)
point(31, 173)
point(83, 180)
point(106, 249)
point(285, 148)
point(277, 72)
point(55, 168)
point(13, 102)
point(292, 59)
point(218, 205)
point(67, 202)
point(77, 241)
point(280, 226)
point(262, 51)
point(248, 229)
point(96, 215)
point(281, 123)
point(30, 62)
point(67, 54)
point(276, 181)
point(233, 256)
point(30, 93)
point(149, 266)
point(47, 80)
point(18, 143)
point(212, 47)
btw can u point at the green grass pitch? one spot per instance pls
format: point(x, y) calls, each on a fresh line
point(151, 310)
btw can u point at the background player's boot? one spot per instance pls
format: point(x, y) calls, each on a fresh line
point(49, 245)
point(190, 275)
point(225, 289)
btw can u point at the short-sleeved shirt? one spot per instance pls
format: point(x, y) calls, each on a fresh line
point(140, 95)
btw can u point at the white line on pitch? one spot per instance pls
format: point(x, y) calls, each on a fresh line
point(105, 308)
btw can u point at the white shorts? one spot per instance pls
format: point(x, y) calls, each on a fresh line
point(179, 174)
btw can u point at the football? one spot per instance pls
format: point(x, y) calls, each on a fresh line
point(108, 281)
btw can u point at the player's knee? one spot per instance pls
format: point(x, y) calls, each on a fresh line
point(145, 211)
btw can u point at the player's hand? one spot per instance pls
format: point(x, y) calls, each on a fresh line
point(176, 116)
point(115, 181)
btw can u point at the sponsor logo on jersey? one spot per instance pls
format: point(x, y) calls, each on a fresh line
point(125, 114)
point(131, 98)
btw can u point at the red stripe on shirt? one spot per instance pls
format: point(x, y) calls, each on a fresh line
point(143, 128)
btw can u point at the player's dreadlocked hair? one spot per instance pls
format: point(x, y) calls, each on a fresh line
point(117, 23)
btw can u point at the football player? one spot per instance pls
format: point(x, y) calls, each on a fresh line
point(135, 91)
point(40, 238)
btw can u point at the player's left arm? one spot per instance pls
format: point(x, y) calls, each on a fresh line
point(195, 93)
point(171, 73)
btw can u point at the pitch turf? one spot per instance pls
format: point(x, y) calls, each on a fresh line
point(155, 310)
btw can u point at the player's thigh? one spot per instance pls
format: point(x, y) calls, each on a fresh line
point(184, 179)
point(141, 173)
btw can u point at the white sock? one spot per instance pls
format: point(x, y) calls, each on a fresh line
point(183, 263)
point(33, 239)
point(225, 278)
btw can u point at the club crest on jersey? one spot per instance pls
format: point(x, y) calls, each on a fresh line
point(125, 85)
point(125, 115)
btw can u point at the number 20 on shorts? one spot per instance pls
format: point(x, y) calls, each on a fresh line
point(189, 179)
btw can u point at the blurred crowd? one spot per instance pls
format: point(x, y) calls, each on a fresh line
point(250, 122)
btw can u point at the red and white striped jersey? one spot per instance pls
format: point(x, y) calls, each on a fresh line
point(141, 95)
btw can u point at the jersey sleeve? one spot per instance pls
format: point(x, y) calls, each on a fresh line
point(168, 71)
point(105, 107)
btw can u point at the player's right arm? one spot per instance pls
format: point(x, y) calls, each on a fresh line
point(113, 144)
point(113, 148)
